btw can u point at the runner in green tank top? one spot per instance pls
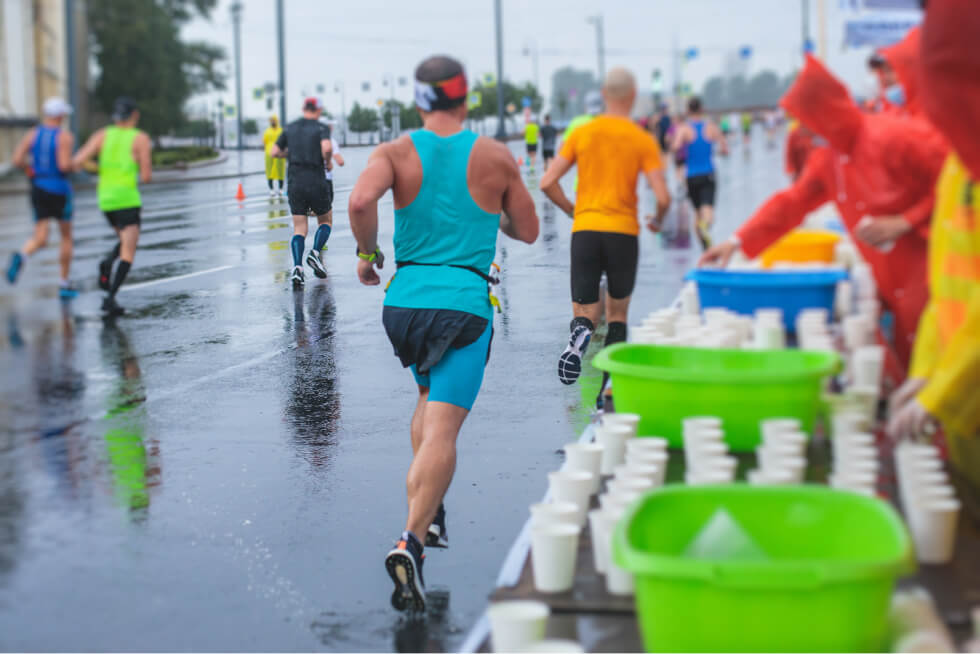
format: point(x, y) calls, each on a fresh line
point(453, 191)
point(124, 162)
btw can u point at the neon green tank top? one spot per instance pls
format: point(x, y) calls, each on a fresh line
point(118, 171)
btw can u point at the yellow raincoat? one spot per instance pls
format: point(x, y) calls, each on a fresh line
point(275, 168)
point(947, 348)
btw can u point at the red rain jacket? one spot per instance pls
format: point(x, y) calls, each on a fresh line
point(874, 165)
point(904, 59)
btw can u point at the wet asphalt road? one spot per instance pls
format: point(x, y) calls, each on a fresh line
point(223, 468)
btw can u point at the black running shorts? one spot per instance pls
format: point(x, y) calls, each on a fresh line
point(701, 190)
point(49, 205)
point(594, 253)
point(121, 218)
point(547, 154)
point(309, 192)
point(532, 148)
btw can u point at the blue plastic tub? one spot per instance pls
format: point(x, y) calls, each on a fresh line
point(744, 291)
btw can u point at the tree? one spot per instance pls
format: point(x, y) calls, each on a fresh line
point(512, 95)
point(139, 53)
point(410, 117)
point(765, 88)
point(362, 119)
point(713, 94)
point(250, 127)
point(568, 89)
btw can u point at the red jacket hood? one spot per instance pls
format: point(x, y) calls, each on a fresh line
point(903, 57)
point(822, 103)
point(950, 75)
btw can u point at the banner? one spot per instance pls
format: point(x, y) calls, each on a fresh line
point(876, 32)
point(905, 5)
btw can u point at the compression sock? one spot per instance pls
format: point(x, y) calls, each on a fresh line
point(121, 271)
point(616, 333)
point(321, 236)
point(297, 245)
point(280, 185)
point(112, 256)
point(269, 180)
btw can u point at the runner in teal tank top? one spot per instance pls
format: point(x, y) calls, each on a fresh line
point(124, 162)
point(453, 190)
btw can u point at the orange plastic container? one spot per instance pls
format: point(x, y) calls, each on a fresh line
point(802, 246)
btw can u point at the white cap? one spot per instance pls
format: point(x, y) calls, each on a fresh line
point(55, 108)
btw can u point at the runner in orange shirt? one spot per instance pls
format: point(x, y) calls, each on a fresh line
point(611, 152)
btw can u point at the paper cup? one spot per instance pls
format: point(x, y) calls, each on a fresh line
point(618, 581)
point(772, 426)
point(914, 467)
point(844, 422)
point(619, 500)
point(854, 441)
point(631, 420)
point(707, 477)
point(572, 486)
point(855, 478)
point(697, 423)
point(516, 625)
point(549, 513)
point(772, 316)
point(934, 529)
point(553, 550)
point(557, 645)
point(696, 438)
point(773, 451)
point(768, 337)
point(646, 444)
point(867, 363)
point(788, 439)
point(629, 484)
point(599, 531)
point(916, 451)
point(585, 457)
point(814, 315)
point(865, 400)
point(760, 477)
point(639, 471)
point(613, 439)
point(794, 466)
point(858, 332)
point(696, 451)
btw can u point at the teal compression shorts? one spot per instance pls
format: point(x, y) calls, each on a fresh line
point(457, 377)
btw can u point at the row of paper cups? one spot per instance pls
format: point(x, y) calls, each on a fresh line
point(930, 503)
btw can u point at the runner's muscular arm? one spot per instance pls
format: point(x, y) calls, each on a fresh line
point(362, 208)
point(519, 219)
point(141, 152)
point(551, 188)
point(20, 152)
point(66, 142)
point(89, 150)
point(326, 150)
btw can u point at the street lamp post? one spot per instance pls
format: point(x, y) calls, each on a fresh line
point(600, 43)
point(501, 132)
point(281, 41)
point(531, 50)
point(236, 19)
point(338, 87)
point(221, 121)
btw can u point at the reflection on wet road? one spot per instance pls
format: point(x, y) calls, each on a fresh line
point(223, 468)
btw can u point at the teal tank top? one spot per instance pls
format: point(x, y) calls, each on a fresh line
point(443, 227)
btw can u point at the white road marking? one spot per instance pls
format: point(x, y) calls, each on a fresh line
point(133, 287)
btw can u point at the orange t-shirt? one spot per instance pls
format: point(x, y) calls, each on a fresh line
point(611, 153)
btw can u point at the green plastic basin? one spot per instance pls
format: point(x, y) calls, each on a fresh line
point(666, 384)
point(823, 583)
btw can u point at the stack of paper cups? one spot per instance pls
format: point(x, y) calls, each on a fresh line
point(844, 299)
point(782, 455)
point(855, 465)
point(648, 455)
point(858, 331)
point(867, 363)
point(631, 420)
point(929, 500)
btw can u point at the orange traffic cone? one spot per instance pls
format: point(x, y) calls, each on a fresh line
point(240, 194)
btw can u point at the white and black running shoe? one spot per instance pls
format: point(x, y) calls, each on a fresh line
point(570, 361)
point(298, 278)
point(437, 535)
point(404, 566)
point(314, 261)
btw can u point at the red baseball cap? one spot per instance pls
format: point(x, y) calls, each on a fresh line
point(312, 104)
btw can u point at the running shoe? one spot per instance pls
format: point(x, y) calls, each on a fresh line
point(110, 308)
point(570, 361)
point(404, 566)
point(105, 271)
point(272, 193)
point(315, 261)
point(298, 278)
point(67, 290)
point(437, 535)
point(16, 262)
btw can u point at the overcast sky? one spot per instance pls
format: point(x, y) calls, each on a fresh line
point(365, 40)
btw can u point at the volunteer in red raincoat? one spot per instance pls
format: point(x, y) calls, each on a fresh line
point(878, 166)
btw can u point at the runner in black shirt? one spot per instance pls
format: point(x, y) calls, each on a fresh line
point(306, 145)
point(548, 137)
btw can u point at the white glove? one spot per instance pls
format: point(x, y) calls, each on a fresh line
point(911, 422)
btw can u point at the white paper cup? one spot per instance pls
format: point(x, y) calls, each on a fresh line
point(913, 467)
point(557, 645)
point(599, 530)
point(760, 477)
point(707, 477)
point(631, 420)
point(696, 423)
point(855, 452)
point(516, 625)
point(934, 529)
point(619, 500)
point(794, 466)
point(854, 478)
point(858, 331)
point(814, 315)
point(916, 451)
point(717, 464)
point(849, 421)
point(646, 471)
point(553, 551)
point(865, 400)
point(854, 441)
point(930, 492)
point(867, 363)
point(696, 439)
point(768, 337)
point(572, 486)
point(613, 439)
point(649, 458)
point(787, 439)
point(549, 513)
point(773, 451)
point(585, 457)
point(773, 316)
point(695, 451)
point(619, 581)
point(646, 444)
point(629, 484)
point(772, 426)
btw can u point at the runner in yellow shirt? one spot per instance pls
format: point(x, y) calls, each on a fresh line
point(275, 168)
point(531, 141)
